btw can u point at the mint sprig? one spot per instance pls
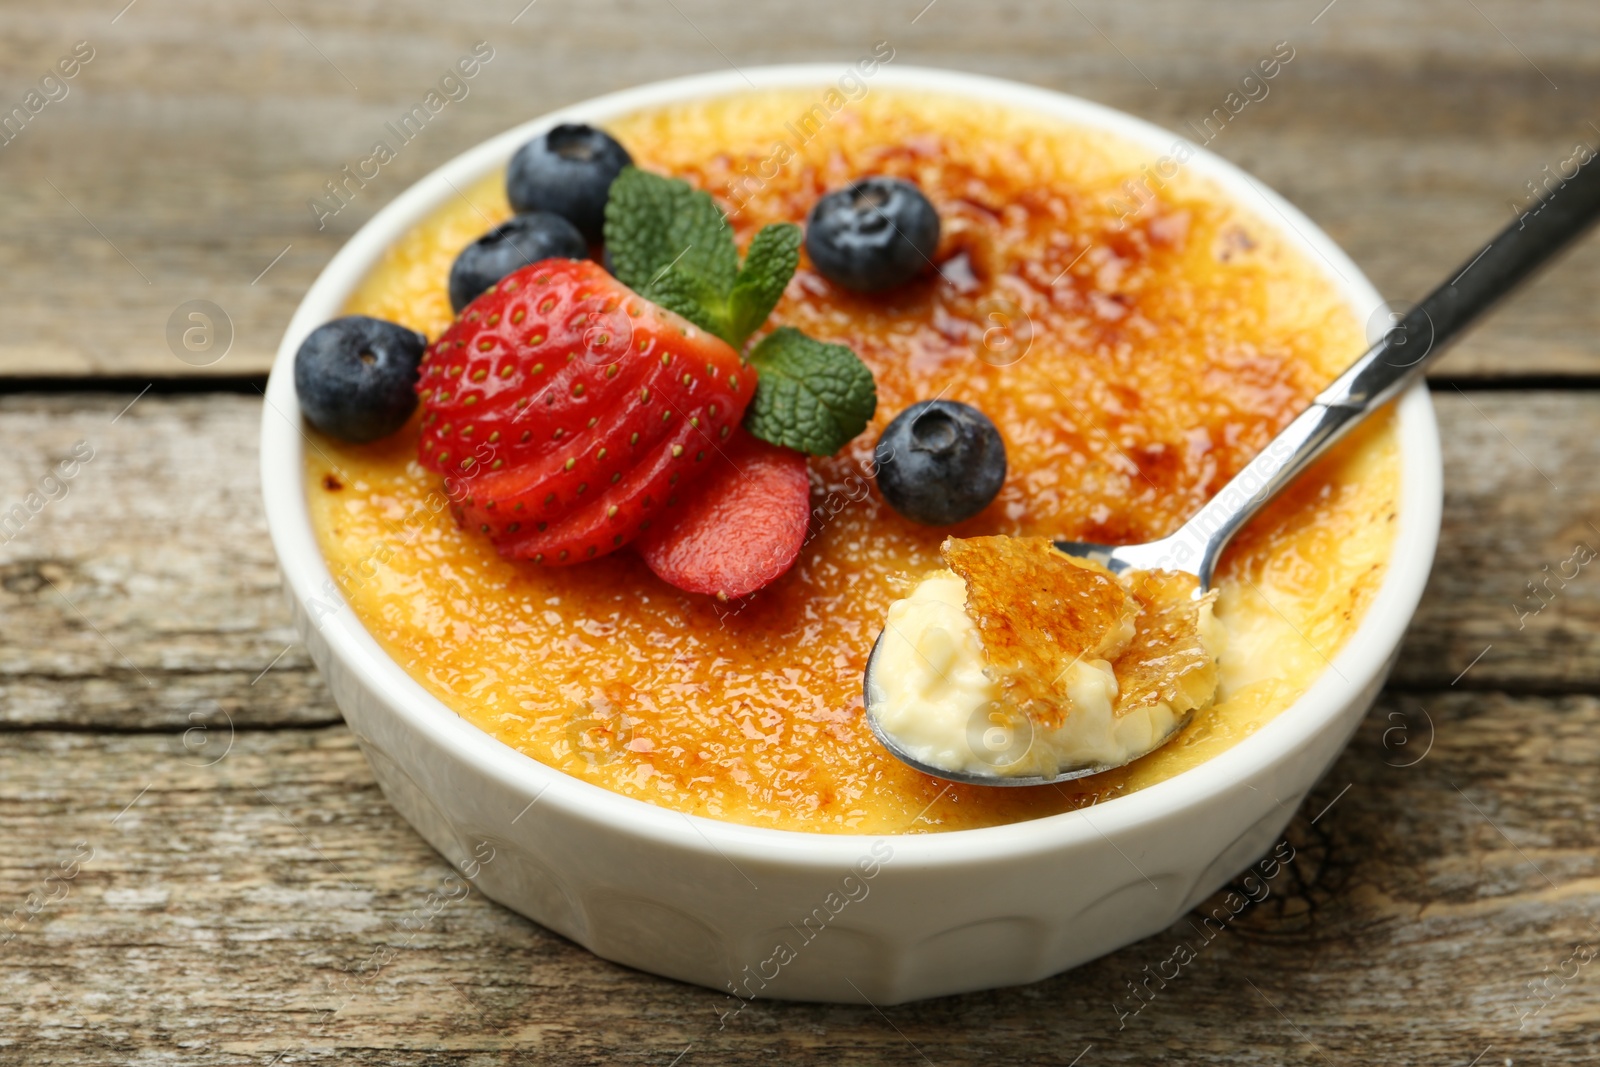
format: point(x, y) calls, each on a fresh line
point(671, 244)
point(769, 263)
point(810, 396)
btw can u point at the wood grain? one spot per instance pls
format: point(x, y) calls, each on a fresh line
point(150, 591)
point(180, 164)
point(237, 871)
point(227, 910)
point(150, 587)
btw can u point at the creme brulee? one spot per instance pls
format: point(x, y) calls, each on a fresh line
point(1132, 366)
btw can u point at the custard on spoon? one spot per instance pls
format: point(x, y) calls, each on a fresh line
point(1018, 661)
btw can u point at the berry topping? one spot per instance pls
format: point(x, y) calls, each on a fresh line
point(568, 171)
point(873, 234)
point(356, 377)
point(940, 462)
point(742, 528)
point(568, 414)
point(571, 414)
point(673, 245)
point(524, 239)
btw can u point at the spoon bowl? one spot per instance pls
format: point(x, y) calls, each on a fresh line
point(1065, 774)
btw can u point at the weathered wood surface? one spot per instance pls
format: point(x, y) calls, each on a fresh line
point(180, 163)
point(151, 588)
point(221, 907)
point(219, 913)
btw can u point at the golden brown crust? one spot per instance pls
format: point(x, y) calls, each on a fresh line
point(1162, 350)
point(1166, 662)
point(1039, 611)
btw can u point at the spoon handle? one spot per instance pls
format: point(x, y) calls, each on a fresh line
point(1398, 358)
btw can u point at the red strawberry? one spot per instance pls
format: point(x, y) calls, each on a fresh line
point(743, 526)
point(567, 412)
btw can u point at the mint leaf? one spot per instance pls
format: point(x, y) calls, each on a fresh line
point(689, 298)
point(769, 263)
point(671, 244)
point(810, 396)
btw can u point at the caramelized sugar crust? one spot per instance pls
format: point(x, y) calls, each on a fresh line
point(1167, 662)
point(1131, 367)
point(1038, 612)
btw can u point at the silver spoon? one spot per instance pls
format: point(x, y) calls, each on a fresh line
point(1387, 368)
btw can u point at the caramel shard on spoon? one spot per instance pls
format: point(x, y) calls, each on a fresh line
point(1019, 660)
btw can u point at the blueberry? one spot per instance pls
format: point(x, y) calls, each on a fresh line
point(940, 462)
point(567, 171)
point(525, 239)
point(874, 234)
point(357, 377)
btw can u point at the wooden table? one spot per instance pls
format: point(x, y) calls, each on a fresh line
point(224, 878)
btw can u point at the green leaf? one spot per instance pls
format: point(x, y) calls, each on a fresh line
point(810, 396)
point(689, 298)
point(769, 263)
point(671, 244)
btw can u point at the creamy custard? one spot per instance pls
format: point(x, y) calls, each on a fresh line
point(941, 707)
point(1131, 365)
point(1024, 662)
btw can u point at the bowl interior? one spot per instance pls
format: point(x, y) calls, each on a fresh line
point(1364, 657)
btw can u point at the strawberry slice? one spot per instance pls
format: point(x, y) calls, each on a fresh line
point(617, 514)
point(742, 526)
point(566, 412)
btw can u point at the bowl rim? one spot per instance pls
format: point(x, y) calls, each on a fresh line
point(1363, 659)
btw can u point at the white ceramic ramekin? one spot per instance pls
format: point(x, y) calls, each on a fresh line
point(809, 916)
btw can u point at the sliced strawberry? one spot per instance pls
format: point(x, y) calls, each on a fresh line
point(740, 528)
point(525, 339)
point(615, 516)
point(565, 410)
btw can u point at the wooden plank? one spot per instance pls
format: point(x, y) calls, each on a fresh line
point(180, 163)
point(219, 914)
point(150, 588)
point(1521, 510)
